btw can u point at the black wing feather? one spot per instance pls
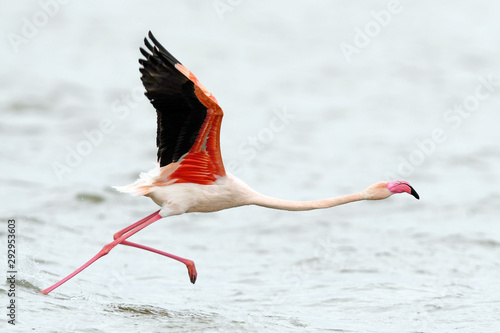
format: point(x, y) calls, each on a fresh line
point(180, 114)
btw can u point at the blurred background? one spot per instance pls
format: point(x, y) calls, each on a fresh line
point(321, 99)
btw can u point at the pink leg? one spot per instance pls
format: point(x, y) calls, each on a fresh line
point(105, 250)
point(189, 263)
point(130, 227)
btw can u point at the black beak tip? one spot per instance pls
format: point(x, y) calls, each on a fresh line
point(414, 193)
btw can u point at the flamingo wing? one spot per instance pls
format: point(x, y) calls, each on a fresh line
point(189, 117)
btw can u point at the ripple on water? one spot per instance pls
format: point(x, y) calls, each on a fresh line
point(183, 320)
point(90, 198)
point(480, 240)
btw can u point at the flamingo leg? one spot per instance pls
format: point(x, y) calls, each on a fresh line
point(130, 227)
point(189, 263)
point(105, 250)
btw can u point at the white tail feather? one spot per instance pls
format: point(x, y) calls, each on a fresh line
point(143, 185)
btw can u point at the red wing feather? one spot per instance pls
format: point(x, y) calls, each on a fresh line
point(184, 139)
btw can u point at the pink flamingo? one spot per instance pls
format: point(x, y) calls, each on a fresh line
point(190, 175)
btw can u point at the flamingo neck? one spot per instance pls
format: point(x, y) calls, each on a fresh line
point(269, 202)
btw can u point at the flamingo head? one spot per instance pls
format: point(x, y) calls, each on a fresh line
point(383, 190)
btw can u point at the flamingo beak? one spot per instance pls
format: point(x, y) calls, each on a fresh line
point(402, 186)
point(414, 193)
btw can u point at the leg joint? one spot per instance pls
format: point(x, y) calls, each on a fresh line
point(105, 250)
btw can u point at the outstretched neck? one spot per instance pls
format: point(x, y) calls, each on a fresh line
point(269, 202)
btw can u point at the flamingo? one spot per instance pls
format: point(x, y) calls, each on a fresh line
point(189, 176)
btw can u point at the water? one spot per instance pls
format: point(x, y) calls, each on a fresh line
point(301, 122)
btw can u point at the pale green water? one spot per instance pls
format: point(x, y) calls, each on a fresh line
point(395, 266)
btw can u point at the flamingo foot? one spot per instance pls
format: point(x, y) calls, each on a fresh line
point(189, 263)
point(191, 271)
